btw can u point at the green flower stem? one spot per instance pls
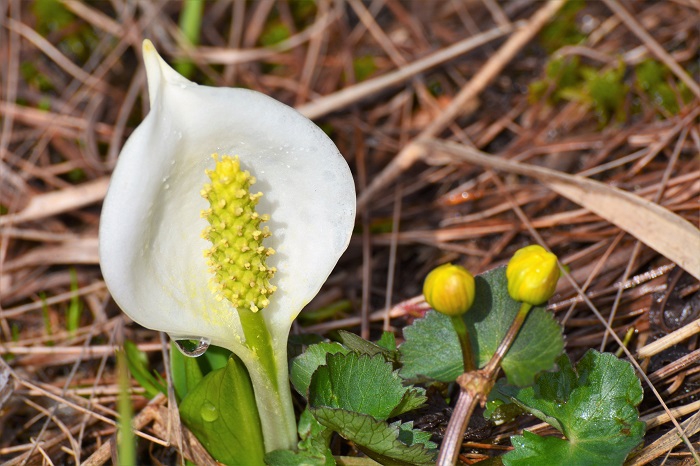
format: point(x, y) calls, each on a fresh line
point(463, 335)
point(267, 367)
point(495, 361)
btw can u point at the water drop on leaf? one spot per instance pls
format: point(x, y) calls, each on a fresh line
point(209, 412)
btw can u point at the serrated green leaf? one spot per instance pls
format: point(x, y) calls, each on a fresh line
point(432, 350)
point(138, 366)
point(313, 446)
point(222, 413)
point(412, 399)
point(594, 406)
point(387, 341)
point(360, 383)
point(377, 439)
point(315, 437)
point(353, 394)
point(362, 346)
point(411, 436)
point(304, 365)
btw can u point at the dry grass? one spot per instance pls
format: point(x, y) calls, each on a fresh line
point(382, 78)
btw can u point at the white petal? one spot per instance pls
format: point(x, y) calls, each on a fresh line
point(150, 245)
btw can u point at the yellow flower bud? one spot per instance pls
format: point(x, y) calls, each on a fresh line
point(449, 289)
point(532, 275)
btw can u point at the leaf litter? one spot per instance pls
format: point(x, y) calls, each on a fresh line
point(461, 74)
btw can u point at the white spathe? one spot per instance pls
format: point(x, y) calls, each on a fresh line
point(151, 251)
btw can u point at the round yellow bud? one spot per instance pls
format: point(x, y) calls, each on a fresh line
point(449, 289)
point(532, 275)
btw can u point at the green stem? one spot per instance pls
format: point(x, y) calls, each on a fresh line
point(508, 339)
point(464, 342)
point(269, 374)
point(190, 24)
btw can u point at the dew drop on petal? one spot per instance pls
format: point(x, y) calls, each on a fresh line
point(209, 412)
point(193, 347)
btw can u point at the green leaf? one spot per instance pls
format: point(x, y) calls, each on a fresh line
point(353, 394)
point(75, 308)
point(334, 310)
point(499, 408)
point(362, 346)
point(303, 366)
point(360, 383)
point(138, 366)
point(389, 444)
point(126, 440)
point(296, 458)
point(215, 358)
point(387, 341)
point(187, 372)
point(315, 437)
point(313, 447)
point(222, 413)
point(432, 351)
point(593, 405)
point(413, 398)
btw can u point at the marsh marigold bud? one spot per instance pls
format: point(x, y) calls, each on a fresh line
point(532, 275)
point(449, 289)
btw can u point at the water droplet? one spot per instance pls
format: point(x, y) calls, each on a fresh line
point(209, 412)
point(167, 186)
point(192, 347)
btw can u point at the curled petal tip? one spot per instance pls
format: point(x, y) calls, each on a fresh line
point(158, 72)
point(148, 46)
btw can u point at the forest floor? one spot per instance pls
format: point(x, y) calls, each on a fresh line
point(605, 91)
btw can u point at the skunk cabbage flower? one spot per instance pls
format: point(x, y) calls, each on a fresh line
point(226, 212)
point(449, 289)
point(532, 275)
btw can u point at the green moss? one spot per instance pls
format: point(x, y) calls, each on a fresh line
point(604, 90)
point(563, 30)
point(662, 89)
point(275, 32)
point(364, 67)
point(33, 77)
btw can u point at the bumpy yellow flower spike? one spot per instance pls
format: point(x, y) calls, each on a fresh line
point(237, 258)
point(241, 296)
